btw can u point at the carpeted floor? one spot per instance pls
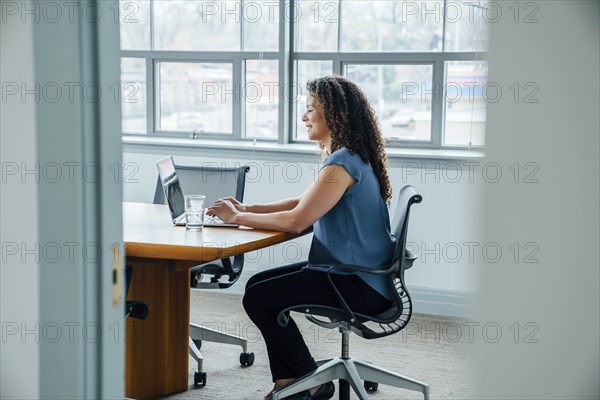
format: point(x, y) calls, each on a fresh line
point(431, 349)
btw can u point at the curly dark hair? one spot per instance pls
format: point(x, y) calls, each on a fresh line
point(353, 124)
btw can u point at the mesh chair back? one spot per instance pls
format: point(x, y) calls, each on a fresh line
point(213, 182)
point(398, 316)
point(406, 198)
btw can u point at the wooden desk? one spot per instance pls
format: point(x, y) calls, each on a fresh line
point(161, 254)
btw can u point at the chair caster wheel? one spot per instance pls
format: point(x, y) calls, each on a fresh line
point(199, 379)
point(196, 279)
point(246, 359)
point(371, 386)
point(198, 343)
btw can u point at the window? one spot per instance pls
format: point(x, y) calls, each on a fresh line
point(237, 69)
point(195, 96)
point(391, 89)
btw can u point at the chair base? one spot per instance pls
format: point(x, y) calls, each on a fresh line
point(198, 332)
point(354, 371)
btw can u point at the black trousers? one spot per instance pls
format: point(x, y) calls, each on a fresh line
point(268, 292)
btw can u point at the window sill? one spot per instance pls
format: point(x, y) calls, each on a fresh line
point(275, 151)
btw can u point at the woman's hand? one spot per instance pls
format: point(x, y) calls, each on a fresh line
point(238, 206)
point(225, 209)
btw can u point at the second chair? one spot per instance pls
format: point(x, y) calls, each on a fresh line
point(215, 182)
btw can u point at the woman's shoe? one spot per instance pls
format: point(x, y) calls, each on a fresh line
point(324, 392)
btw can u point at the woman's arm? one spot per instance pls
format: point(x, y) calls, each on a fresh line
point(319, 198)
point(281, 205)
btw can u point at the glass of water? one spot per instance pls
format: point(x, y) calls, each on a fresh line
point(194, 211)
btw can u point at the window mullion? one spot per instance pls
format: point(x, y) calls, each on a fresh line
point(337, 67)
point(241, 25)
point(286, 101)
point(437, 103)
point(150, 96)
point(444, 26)
point(238, 112)
point(339, 27)
point(151, 21)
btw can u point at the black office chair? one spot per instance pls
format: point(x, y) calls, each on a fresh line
point(137, 309)
point(214, 182)
point(363, 376)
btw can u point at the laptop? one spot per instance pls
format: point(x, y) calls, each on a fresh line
point(174, 195)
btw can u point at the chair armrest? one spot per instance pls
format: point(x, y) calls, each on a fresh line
point(410, 258)
point(358, 268)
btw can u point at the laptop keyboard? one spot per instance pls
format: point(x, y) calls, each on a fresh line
point(212, 219)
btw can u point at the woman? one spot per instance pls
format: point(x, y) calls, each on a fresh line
point(346, 207)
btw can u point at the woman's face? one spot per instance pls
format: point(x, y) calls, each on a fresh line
point(314, 120)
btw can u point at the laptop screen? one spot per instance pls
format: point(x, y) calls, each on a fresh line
point(171, 186)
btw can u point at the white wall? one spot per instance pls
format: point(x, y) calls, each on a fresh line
point(19, 309)
point(557, 355)
point(441, 224)
point(47, 296)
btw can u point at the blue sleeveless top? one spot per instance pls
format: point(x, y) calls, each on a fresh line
point(357, 229)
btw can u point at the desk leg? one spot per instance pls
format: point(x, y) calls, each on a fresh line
point(157, 348)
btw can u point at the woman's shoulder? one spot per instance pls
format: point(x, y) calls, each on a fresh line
point(340, 154)
point(352, 162)
point(347, 156)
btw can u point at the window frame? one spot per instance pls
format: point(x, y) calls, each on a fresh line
point(287, 65)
